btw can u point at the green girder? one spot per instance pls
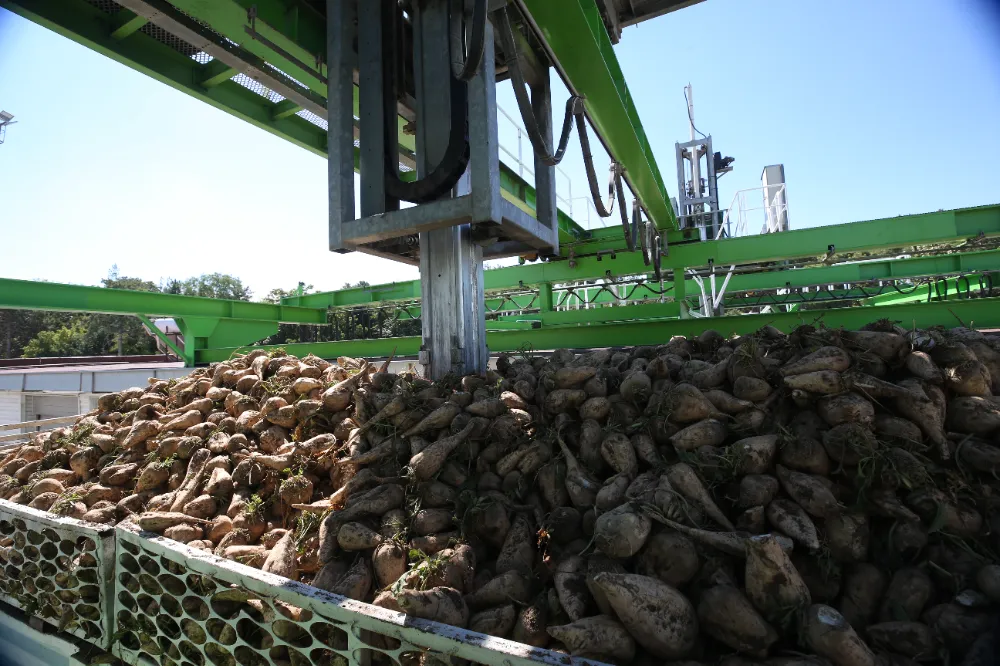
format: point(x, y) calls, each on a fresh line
point(204, 322)
point(89, 26)
point(979, 312)
point(851, 238)
point(576, 37)
point(27, 295)
point(212, 324)
point(210, 83)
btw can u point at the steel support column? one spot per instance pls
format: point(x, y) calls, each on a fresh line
point(680, 294)
point(451, 264)
point(340, 114)
point(545, 175)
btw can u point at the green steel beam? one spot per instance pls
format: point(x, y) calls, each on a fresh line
point(216, 72)
point(601, 314)
point(27, 295)
point(128, 23)
point(979, 312)
point(845, 240)
point(304, 64)
point(229, 19)
point(87, 25)
point(509, 325)
point(152, 328)
point(950, 289)
point(581, 49)
point(210, 83)
point(405, 346)
point(983, 312)
point(611, 239)
point(211, 332)
point(517, 190)
point(850, 238)
point(882, 269)
point(284, 109)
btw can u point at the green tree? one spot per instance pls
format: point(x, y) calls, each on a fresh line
point(118, 334)
point(80, 333)
point(214, 285)
point(116, 281)
point(275, 295)
point(19, 327)
point(65, 341)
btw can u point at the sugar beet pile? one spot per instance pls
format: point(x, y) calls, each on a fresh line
point(827, 493)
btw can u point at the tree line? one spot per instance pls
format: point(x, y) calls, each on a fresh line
point(36, 333)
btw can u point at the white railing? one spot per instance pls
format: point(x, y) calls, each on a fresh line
point(741, 214)
point(32, 426)
point(743, 211)
point(523, 160)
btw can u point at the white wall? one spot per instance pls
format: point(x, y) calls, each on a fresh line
point(40, 405)
point(10, 409)
point(87, 402)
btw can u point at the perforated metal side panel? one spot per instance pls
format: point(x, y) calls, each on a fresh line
point(175, 604)
point(59, 569)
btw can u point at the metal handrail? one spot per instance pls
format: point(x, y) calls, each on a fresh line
point(773, 210)
point(523, 167)
point(42, 422)
point(17, 436)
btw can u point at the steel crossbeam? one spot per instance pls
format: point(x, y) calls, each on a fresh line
point(979, 312)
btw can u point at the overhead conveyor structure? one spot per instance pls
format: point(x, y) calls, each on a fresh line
point(401, 95)
point(359, 83)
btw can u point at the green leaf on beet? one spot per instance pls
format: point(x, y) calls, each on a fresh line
point(897, 612)
point(939, 518)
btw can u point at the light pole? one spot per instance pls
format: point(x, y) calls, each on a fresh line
point(5, 119)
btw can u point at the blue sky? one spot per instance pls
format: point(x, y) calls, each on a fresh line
point(876, 109)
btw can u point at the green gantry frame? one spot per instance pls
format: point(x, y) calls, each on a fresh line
point(818, 245)
point(298, 38)
point(213, 329)
point(204, 322)
point(291, 39)
point(980, 312)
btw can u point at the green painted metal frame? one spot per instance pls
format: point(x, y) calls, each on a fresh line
point(851, 238)
point(980, 312)
point(161, 336)
point(949, 289)
point(577, 39)
point(28, 295)
point(217, 324)
point(90, 27)
point(210, 83)
point(204, 322)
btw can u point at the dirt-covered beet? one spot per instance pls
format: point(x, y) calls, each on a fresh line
point(825, 494)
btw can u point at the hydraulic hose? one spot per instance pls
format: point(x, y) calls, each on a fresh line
point(588, 163)
point(640, 227)
point(958, 286)
point(629, 233)
point(445, 175)
point(574, 110)
point(531, 127)
point(465, 64)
